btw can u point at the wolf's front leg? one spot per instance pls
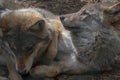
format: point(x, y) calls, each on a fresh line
point(46, 70)
point(51, 71)
point(14, 76)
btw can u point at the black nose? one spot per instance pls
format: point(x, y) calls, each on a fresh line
point(22, 71)
point(62, 18)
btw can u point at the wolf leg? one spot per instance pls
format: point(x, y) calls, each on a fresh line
point(46, 71)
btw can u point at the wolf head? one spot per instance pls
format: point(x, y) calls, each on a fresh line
point(28, 34)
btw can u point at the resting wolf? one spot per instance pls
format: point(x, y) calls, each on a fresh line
point(95, 34)
point(39, 45)
point(29, 40)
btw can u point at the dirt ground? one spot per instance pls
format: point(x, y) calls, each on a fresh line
point(55, 6)
point(63, 7)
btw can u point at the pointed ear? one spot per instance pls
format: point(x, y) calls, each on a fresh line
point(112, 10)
point(39, 25)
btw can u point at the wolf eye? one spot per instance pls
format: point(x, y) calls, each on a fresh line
point(38, 25)
point(30, 50)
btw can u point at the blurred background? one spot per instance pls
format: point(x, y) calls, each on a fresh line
point(55, 6)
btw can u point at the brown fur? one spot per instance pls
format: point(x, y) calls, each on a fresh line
point(26, 20)
point(112, 15)
point(58, 43)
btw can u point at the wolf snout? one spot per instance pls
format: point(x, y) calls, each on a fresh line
point(62, 18)
point(22, 71)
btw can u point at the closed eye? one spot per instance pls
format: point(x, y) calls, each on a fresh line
point(37, 26)
point(29, 50)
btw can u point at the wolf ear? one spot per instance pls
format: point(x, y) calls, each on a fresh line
point(114, 9)
point(39, 25)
